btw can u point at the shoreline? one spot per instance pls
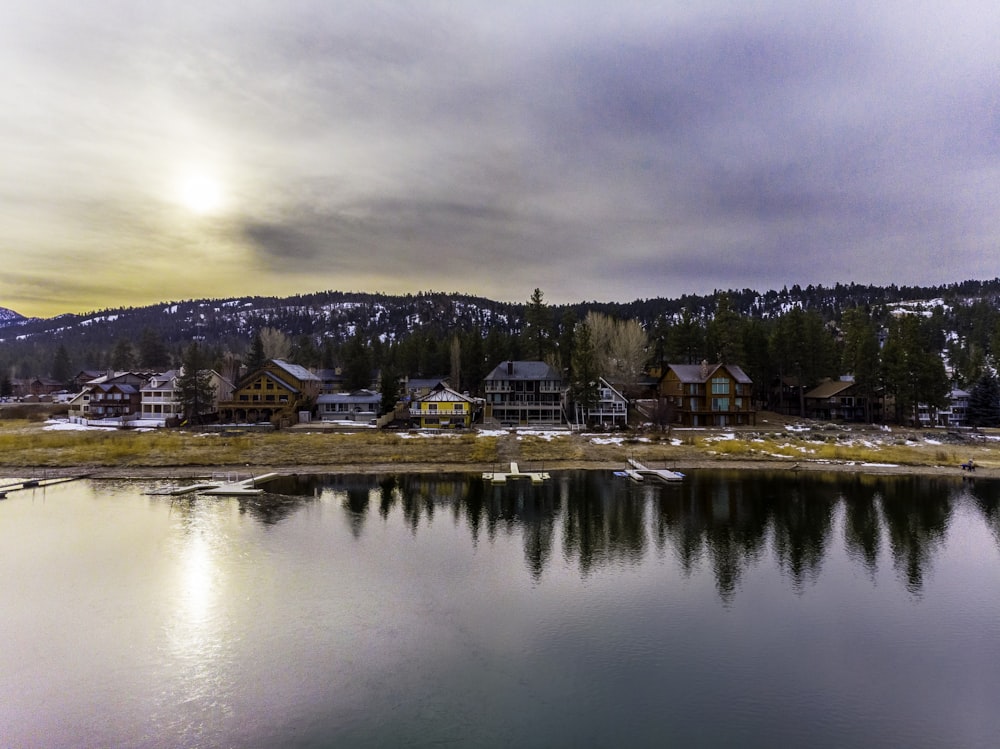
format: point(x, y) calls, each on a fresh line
point(683, 466)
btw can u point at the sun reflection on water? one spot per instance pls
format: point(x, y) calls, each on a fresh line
point(197, 674)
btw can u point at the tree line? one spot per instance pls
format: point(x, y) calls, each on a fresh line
point(914, 356)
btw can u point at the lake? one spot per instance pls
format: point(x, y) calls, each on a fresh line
point(737, 609)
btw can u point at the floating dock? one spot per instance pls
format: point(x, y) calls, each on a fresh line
point(637, 472)
point(498, 477)
point(229, 485)
point(37, 483)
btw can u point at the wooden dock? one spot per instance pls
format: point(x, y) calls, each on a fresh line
point(37, 483)
point(498, 477)
point(227, 485)
point(638, 472)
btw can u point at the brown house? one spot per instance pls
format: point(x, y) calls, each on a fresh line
point(278, 390)
point(708, 395)
point(840, 400)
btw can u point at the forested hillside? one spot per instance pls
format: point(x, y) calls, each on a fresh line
point(919, 341)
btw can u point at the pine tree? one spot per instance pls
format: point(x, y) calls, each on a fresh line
point(153, 353)
point(724, 335)
point(255, 357)
point(122, 356)
point(389, 387)
point(584, 385)
point(861, 354)
point(194, 385)
point(984, 401)
point(62, 368)
point(537, 324)
point(357, 364)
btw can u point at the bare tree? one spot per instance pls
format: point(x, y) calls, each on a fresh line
point(277, 345)
point(619, 348)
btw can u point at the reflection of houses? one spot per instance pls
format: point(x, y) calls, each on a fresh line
point(611, 408)
point(360, 405)
point(708, 395)
point(442, 408)
point(839, 400)
point(525, 392)
point(278, 390)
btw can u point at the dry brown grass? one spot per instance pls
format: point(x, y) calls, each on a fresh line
point(24, 443)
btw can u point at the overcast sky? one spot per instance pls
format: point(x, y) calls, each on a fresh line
point(156, 151)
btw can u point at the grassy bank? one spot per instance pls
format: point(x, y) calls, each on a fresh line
point(27, 444)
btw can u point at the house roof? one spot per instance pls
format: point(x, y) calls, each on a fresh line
point(358, 397)
point(425, 383)
point(524, 370)
point(703, 372)
point(445, 395)
point(122, 386)
point(830, 388)
point(612, 388)
point(295, 370)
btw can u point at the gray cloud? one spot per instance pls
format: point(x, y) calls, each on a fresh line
point(595, 152)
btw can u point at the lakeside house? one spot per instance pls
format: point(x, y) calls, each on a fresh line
point(360, 406)
point(610, 409)
point(708, 395)
point(525, 393)
point(276, 391)
point(840, 400)
point(110, 397)
point(160, 401)
point(443, 408)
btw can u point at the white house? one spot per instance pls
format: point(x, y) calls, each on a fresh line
point(360, 406)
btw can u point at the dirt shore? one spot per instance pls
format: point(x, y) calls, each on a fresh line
point(684, 466)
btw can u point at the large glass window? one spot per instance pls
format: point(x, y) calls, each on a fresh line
point(720, 386)
point(720, 404)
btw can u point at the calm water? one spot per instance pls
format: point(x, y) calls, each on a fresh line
point(735, 610)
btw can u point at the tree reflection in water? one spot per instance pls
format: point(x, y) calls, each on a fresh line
point(725, 519)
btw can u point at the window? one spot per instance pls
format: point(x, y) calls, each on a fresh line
point(720, 404)
point(720, 386)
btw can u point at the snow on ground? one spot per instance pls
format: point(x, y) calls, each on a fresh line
point(58, 425)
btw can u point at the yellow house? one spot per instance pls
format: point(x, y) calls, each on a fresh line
point(442, 408)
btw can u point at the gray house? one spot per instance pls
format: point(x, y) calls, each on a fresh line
point(525, 392)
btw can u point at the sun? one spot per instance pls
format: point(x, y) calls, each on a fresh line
point(201, 194)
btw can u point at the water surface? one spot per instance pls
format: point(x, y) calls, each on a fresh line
point(736, 609)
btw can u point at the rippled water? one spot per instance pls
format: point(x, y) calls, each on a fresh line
point(737, 609)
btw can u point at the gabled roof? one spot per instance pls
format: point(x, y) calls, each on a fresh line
point(295, 370)
point(612, 388)
point(426, 383)
point(703, 372)
point(107, 387)
point(445, 395)
point(830, 388)
point(524, 370)
point(161, 380)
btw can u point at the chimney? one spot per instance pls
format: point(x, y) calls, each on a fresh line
point(704, 369)
point(510, 368)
